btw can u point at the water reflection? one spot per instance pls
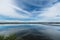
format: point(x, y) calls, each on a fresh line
point(51, 31)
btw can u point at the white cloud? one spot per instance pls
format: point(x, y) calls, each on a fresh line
point(7, 11)
point(51, 14)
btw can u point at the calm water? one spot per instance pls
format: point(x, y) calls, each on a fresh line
point(52, 31)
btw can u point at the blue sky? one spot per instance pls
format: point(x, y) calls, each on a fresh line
point(11, 12)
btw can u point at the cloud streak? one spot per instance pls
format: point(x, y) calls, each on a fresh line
point(47, 14)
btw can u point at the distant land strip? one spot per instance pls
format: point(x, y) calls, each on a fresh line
point(29, 22)
point(42, 23)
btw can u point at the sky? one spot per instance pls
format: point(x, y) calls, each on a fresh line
point(11, 12)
